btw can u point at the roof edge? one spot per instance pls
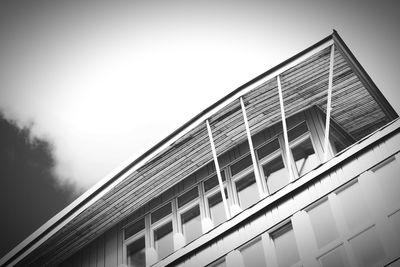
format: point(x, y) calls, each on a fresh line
point(364, 77)
point(120, 173)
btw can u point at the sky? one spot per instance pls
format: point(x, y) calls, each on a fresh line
point(103, 81)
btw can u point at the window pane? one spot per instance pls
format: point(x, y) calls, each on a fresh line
point(191, 224)
point(353, 206)
point(285, 246)
point(217, 209)
point(367, 248)
point(253, 254)
point(323, 224)
point(163, 240)
point(161, 213)
point(275, 174)
point(213, 182)
point(268, 148)
point(247, 191)
point(188, 196)
point(241, 165)
point(134, 228)
point(334, 258)
point(297, 131)
point(305, 157)
point(136, 253)
point(338, 145)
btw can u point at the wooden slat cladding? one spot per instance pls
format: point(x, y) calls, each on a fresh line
point(304, 85)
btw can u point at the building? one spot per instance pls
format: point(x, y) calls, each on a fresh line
point(297, 167)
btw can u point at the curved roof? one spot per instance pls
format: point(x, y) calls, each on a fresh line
point(357, 106)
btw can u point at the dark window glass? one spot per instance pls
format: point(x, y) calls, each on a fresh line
point(134, 228)
point(268, 148)
point(247, 191)
point(305, 157)
point(188, 196)
point(163, 240)
point(161, 213)
point(241, 165)
point(191, 224)
point(217, 209)
point(297, 131)
point(136, 253)
point(213, 182)
point(275, 174)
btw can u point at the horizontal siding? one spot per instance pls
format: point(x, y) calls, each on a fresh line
point(104, 251)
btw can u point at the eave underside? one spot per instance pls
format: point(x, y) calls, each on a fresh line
point(305, 85)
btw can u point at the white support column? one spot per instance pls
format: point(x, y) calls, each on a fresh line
point(328, 104)
point(285, 135)
point(253, 156)
point(221, 185)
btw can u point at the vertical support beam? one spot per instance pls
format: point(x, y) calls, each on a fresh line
point(221, 185)
point(328, 104)
point(253, 156)
point(285, 135)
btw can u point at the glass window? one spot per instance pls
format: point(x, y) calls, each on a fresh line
point(334, 258)
point(323, 224)
point(367, 248)
point(353, 205)
point(253, 254)
point(339, 146)
point(297, 131)
point(268, 148)
point(213, 182)
point(191, 223)
point(163, 240)
point(275, 174)
point(246, 188)
point(134, 228)
point(136, 253)
point(285, 246)
point(217, 210)
point(304, 157)
point(161, 213)
point(241, 165)
point(188, 196)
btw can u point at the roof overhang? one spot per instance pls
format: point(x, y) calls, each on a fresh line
point(304, 79)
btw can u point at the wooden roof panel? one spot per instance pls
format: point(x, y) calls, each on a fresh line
point(303, 85)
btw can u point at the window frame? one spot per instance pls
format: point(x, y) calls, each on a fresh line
point(161, 222)
point(233, 179)
point(303, 137)
point(133, 238)
point(186, 207)
point(212, 192)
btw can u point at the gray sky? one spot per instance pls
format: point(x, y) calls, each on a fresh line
point(106, 80)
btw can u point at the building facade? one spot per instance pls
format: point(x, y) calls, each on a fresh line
point(298, 167)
